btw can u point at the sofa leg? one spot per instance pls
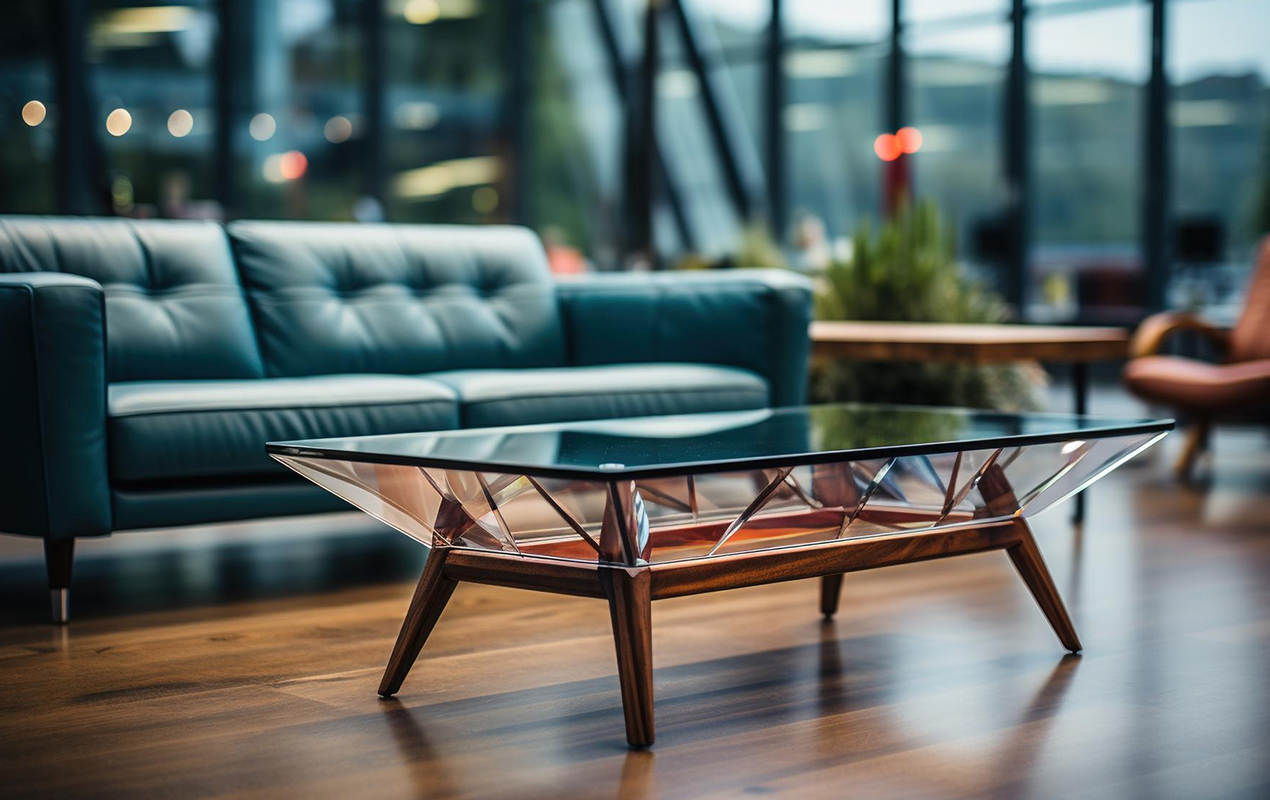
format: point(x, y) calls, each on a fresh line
point(58, 554)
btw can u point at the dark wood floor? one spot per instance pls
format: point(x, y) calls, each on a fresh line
point(243, 662)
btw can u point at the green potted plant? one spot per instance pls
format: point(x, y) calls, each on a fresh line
point(905, 270)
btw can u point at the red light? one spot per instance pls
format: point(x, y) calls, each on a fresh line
point(887, 146)
point(292, 164)
point(910, 139)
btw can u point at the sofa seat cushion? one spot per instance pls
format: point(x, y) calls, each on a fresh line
point(527, 396)
point(164, 430)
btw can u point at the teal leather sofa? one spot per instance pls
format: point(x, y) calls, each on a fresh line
point(144, 364)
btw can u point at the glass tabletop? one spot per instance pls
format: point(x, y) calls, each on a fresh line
point(646, 447)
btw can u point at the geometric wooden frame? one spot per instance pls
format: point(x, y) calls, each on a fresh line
point(630, 590)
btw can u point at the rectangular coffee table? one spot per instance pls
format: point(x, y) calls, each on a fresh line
point(641, 509)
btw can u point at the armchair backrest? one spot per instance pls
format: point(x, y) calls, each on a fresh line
point(349, 298)
point(1250, 340)
point(174, 307)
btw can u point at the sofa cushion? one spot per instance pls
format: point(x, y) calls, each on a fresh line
point(198, 429)
point(752, 319)
point(521, 397)
point(404, 299)
point(174, 307)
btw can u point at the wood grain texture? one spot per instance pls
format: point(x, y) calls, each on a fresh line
point(814, 561)
point(630, 609)
point(240, 663)
point(558, 577)
point(431, 595)
point(973, 344)
point(1031, 567)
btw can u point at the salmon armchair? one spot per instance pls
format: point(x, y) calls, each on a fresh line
point(1239, 387)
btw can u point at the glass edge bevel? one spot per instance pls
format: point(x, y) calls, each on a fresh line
point(428, 544)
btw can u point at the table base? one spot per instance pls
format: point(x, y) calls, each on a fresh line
point(631, 590)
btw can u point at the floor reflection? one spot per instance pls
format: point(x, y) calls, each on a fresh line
point(637, 776)
point(170, 571)
point(428, 774)
point(1017, 761)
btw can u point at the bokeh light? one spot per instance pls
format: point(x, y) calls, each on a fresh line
point(33, 113)
point(485, 200)
point(292, 165)
point(910, 139)
point(887, 146)
point(262, 127)
point(180, 123)
point(118, 122)
point(338, 129)
point(421, 12)
point(121, 194)
point(271, 170)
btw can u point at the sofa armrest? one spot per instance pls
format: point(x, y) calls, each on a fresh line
point(53, 406)
point(753, 319)
point(1157, 328)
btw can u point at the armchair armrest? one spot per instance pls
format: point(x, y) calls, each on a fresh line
point(53, 406)
point(753, 319)
point(1157, 328)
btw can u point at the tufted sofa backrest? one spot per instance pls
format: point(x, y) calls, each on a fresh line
point(346, 298)
point(174, 307)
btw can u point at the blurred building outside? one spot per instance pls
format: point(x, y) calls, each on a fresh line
point(1100, 158)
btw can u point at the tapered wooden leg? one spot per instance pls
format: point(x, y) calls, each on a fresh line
point(630, 606)
point(1027, 560)
point(830, 591)
point(431, 595)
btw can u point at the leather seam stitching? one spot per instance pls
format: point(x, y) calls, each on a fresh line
point(39, 405)
point(574, 396)
point(441, 294)
point(325, 407)
point(207, 291)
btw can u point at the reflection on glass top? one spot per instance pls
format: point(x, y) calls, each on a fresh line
point(648, 446)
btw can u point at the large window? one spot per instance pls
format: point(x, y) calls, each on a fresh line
point(835, 66)
point(450, 156)
point(573, 178)
point(1219, 67)
point(300, 128)
point(736, 36)
point(951, 11)
point(153, 114)
point(1088, 71)
point(28, 109)
point(475, 111)
point(956, 91)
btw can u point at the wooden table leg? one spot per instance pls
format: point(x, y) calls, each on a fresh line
point(1027, 560)
point(630, 606)
point(431, 595)
point(1080, 406)
point(830, 591)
